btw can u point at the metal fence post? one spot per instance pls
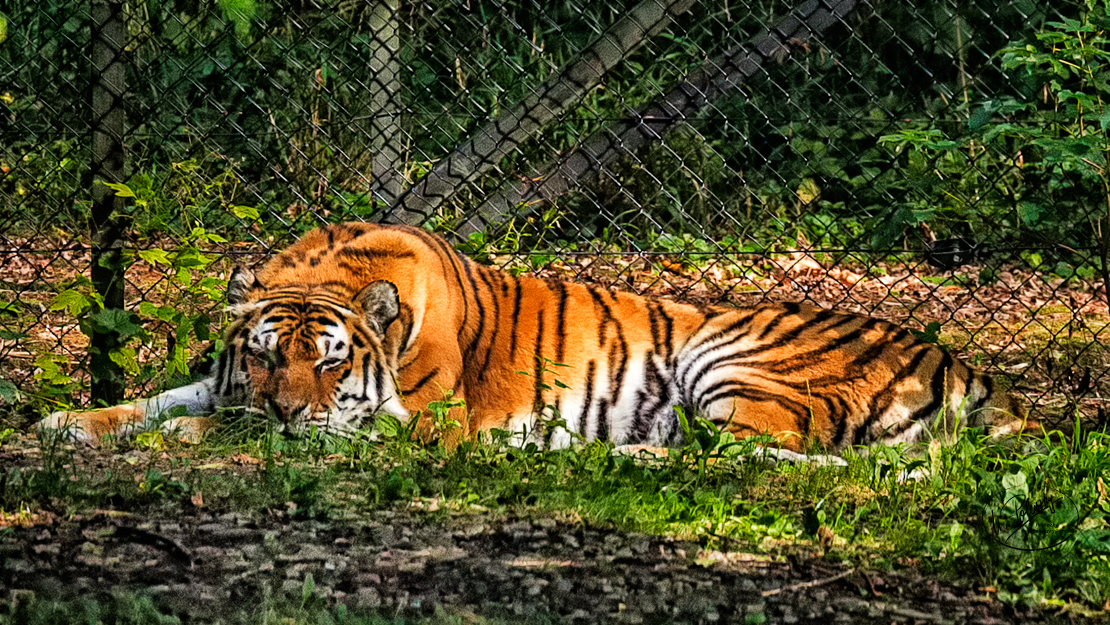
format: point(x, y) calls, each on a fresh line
point(109, 161)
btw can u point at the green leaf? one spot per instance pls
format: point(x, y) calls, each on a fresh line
point(109, 320)
point(240, 13)
point(162, 313)
point(1015, 485)
point(1031, 212)
point(980, 118)
point(3, 28)
point(9, 392)
point(121, 189)
point(202, 327)
point(1104, 119)
point(76, 303)
point(156, 257)
point(931, 333)
point(125, 358)
point(308, 589)
point(248, 213)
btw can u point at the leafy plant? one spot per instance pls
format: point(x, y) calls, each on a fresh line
point(1039, 163)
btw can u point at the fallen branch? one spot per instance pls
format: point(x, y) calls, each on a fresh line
point(804, 585)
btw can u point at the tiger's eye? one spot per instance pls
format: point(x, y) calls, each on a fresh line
point(266, 358)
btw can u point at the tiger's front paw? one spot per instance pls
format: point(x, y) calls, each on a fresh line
point(188, 429)
point(91, 426)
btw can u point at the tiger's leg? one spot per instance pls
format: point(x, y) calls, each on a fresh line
point(448, 422)
point(424, 381)
point(188, 429)
point(124, 420)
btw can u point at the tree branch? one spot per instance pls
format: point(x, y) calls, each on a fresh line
point(651, 123)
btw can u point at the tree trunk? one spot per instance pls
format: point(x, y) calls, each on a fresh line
point(109, 163)
point(387, 141)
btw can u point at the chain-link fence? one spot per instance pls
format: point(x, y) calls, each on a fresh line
point(942, 164)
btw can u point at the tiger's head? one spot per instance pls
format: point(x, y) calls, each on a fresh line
point(315, 356)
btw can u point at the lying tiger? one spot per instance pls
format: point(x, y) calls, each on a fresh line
point(357, 320)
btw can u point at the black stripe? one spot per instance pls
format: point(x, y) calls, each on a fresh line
point(840, 422)
point(606, 314)
point(657, 341)
point(366, 375)
point(379, 374)
point(603, 420)
point(473, 343)
point(789, 309)
point(651, 399)
point(515, 317)
point(742, 391)
point(420, 383)
point(561, 322)
point(446, 257)
point(584, 419)
point(938, 389)
point(407, 325)
point(782, 340)
point(373, 254)
point(668, 335)
point(483, 273)
point(226, 368)
point(807, 359)
point(537, 397)
point(708, 344)
point(329, 322)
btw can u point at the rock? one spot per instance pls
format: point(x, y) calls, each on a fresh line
point(367, 598)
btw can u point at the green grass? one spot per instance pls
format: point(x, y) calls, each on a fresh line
point(1031, 520)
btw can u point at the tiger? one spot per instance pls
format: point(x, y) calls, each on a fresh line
point(355, 321)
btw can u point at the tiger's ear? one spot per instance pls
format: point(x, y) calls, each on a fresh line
point(242, 281)
point(380, 304)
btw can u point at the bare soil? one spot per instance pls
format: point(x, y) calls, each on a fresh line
point(200, 565)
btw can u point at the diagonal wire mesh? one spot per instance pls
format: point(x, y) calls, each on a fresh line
point(878, 157)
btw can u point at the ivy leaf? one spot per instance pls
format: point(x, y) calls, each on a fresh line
point(156, 257)
point(73, 301)
point(9, 392)
point(1104, 119)
point(109, 320)
point(1031, 213)
point(931, 333)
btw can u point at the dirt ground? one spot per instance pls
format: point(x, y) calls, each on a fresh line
point(412, 565)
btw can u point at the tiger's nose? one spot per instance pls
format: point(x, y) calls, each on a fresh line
point(284, 412)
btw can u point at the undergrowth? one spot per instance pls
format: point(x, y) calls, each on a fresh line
point(1033, 520)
